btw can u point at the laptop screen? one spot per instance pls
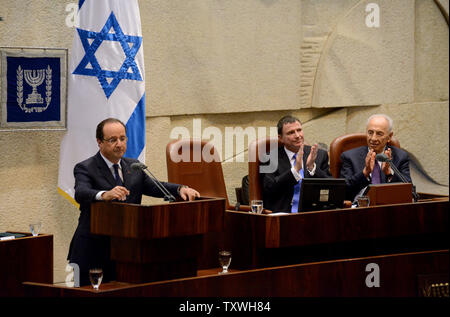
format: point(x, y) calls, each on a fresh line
point(321, 194)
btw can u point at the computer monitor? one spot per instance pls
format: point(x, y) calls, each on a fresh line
point(321, 194)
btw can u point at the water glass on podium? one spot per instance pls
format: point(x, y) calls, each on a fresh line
point(257, 206)
point(35, 228)
point(225, 261)
point(96, 276)
point(363, 201)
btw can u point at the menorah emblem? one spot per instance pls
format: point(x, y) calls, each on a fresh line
point(34, 78)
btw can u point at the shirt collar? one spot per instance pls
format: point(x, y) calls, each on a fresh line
point(109, 163)
point(289, 153)
point(385, 148)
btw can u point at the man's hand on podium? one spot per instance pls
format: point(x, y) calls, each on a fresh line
point(188, 193)
point(118, 192)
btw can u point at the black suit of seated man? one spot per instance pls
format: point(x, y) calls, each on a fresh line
point(95, 179)
point(278, 185)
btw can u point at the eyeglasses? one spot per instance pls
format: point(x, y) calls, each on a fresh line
point(114, 140)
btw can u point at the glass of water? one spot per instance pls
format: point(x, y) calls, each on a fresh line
point(257, 206)
point(224, 260)
point(363, 201)
point(96, 276)
point(35, 228)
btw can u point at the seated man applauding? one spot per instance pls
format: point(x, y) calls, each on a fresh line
point(359, 166)
point(295, 161)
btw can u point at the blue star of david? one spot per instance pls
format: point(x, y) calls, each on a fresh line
point(90, 59)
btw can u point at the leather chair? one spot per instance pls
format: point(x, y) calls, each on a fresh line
point(192, 170)
point(257, 147)
point(207, 178)
point(347, 142)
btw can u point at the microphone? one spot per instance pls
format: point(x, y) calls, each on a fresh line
point(383, 158)
point(141, 166)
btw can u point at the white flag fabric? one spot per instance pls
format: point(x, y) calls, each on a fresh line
point(106, 79)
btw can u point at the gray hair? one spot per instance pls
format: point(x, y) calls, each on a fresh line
point(388, 119)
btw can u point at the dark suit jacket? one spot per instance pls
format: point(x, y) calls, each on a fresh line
point(278, 186)
point(92, 176)
point(353, 162)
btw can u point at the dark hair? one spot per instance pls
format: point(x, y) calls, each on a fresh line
point(285, 120)
point(99, 133)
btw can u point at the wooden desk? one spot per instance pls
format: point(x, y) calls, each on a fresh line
point(25, 259)
point(262, 240)
point(157, 242)
point(323, 253)
point(399, 276)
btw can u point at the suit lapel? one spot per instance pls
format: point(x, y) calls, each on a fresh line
point(126, 172)
point(362, 157)
point(283, 160)
point(306, 151)
point(104, 170)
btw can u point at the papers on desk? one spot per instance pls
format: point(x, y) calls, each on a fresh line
point(7, 238)
point(9, 235)
point(278, 213)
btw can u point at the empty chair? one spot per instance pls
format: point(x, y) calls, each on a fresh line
point(196, 163)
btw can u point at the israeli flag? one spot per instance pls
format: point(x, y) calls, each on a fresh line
point(106, 79)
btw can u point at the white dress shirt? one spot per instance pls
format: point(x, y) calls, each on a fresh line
point(296, 174)
point(111, 168)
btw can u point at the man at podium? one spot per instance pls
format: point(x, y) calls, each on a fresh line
point(109, 176)
point(359, 165)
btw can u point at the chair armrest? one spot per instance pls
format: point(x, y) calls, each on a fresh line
point(247, 208)
point(239, 207)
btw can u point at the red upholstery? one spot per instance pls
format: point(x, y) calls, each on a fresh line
point(206, 176)
point(256, 148)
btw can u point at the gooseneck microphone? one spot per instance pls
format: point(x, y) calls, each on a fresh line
point(167, 195)
point(383, 158)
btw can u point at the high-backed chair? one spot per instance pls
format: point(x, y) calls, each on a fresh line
point(347, 142)
point(186, 165)
point(255, 150)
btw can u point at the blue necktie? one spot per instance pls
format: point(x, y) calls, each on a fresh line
point(376, 174)
point(117, 176)
point(296, 197)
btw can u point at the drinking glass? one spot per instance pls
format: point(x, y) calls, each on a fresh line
point(96, 276)
point(224, 260)
point(35, 228)
point(257, 206)
point(363, 201)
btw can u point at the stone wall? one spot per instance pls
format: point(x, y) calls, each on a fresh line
point(229, 64)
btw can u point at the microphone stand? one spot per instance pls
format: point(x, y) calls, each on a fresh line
point(167, 195)
point(384, 158)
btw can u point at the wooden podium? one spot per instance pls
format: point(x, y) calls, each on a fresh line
point(390, 193)
point(157, 242)
point(25, 259)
